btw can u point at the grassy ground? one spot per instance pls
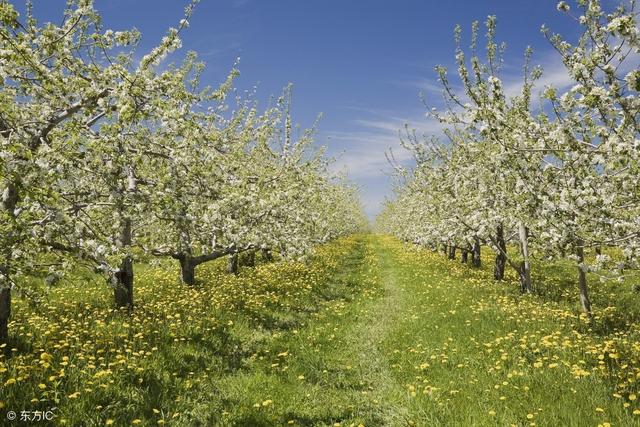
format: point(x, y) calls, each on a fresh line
point(473, 352)
point(370, 332)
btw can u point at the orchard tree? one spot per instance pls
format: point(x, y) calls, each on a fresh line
point(51, 86)
point(108, 178)
point(594, 145)
point(490, 162)
point(563, 179)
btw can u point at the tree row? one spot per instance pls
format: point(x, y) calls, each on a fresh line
point(107, 159)
point(552, 170)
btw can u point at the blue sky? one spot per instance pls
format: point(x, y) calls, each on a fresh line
point(360, 63)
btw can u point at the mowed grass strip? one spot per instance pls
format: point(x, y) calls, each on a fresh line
point(330, 371)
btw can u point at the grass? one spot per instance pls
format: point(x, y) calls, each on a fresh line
point(369, 332)
point(474, 352)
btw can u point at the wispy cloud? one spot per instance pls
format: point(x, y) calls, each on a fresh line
point(554, 74)
point(220, 45)
point(366, 146)
point(422, 85)
point(360, 149)
point(235, 46)
point(364, 155)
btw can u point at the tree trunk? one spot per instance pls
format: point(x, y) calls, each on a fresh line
point(464, 257)
point(475, 254)
point(5, 313)
point(582, 279)
point(452, 252)
point(501, 257)
point(525, 267)
point(232, 267)
point(123, 291)
point(187, 269)
point(10, 197)
point(189, 262)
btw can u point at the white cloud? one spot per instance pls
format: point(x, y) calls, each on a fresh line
point(361, 152)
point(424, 85)
point(365, 149)
point(554, 74)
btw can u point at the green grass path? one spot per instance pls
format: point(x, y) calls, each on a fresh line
point(408, 338)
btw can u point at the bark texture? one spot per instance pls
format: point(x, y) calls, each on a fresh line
point(123, 292)
point(476, 261)
point(5, 313)
point(232, 267)
point(585, 302)
point(464, 257)
point(10, 197)
point(452, 252)
point(501, 257)
point(187, 270)
point(525, 267)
